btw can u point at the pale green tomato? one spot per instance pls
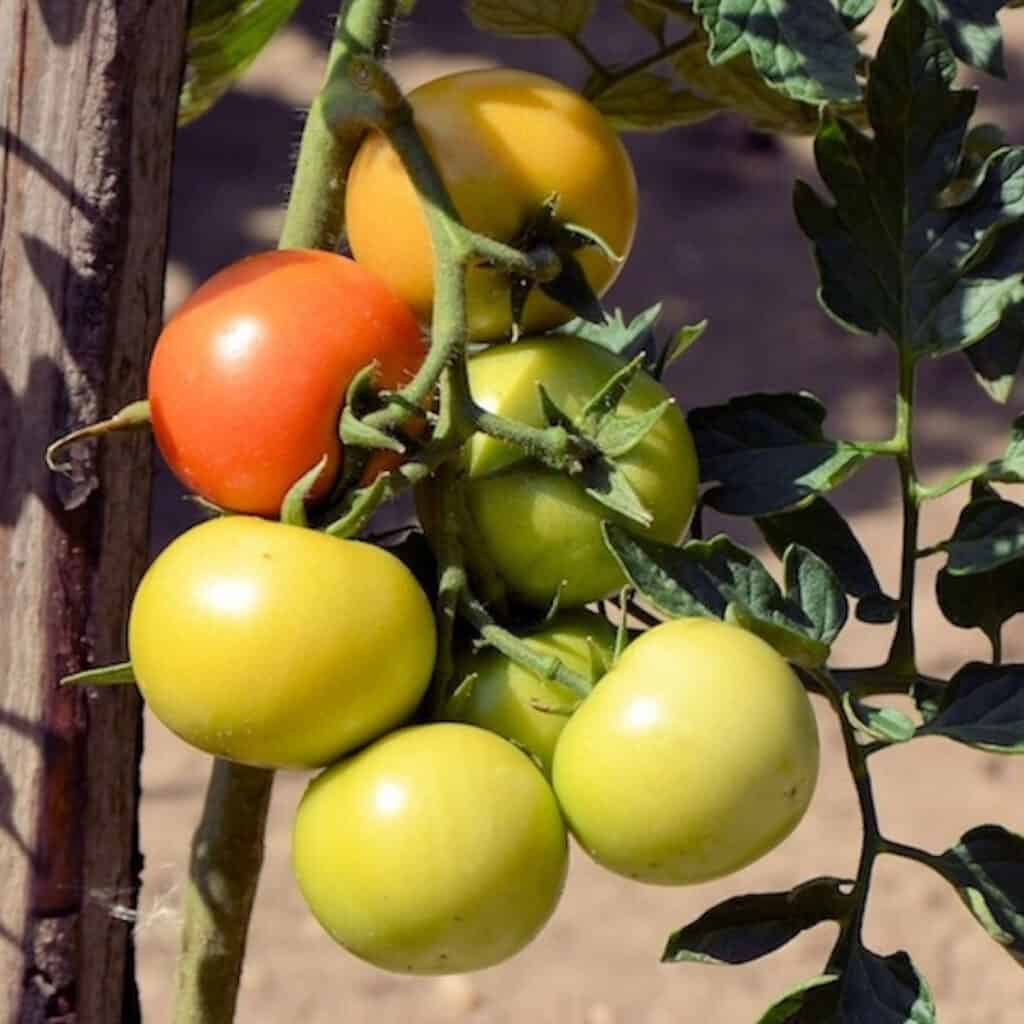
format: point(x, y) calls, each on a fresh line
point(539, 528)
point(438, 849)
point(694, 756)
point(279, 646)
point(501, 695)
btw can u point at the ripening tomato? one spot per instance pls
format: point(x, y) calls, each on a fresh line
point(503, 696)
point(540, 529)
point(249, 377)
point(694, 756)
point(438, 849)
point(279, 646)
point(504, 141)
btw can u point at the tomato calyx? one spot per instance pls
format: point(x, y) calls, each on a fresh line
point(134, 416)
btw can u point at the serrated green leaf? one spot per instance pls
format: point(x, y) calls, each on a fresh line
point(982, 706)
point(820, 528)
point(1010, 468)
point(224, 38)
point(888, 724)
point(936, 277)
point(604, 481)
point(884, 990)
point(811, 1002)
point(813, 587)
point(650, 102)
point(803, 49)
point(987, 869)
point(745, 928)
point(989, 534)
point(972, 30)
point(768, 453)
point(531, 18)
point(718, 579)
point(736, 85)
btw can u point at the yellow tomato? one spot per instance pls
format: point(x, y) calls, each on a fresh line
point(279, 646)
point(438, 849)
point(504, 141)
point(502, 696)
point(695, 755)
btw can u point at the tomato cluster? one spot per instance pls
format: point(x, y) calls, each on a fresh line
point(439, 846)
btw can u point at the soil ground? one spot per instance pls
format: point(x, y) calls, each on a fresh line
point(717, 240)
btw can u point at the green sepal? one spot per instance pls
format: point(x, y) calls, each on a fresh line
point(107, 675)
point(606, 483)
point(293, 508)
point(614, 334)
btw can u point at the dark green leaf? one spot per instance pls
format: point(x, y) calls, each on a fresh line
point(989, 533)
point(877, 609)
point(972, 30)
point(650, 18)
point(614, 334)
point(936, 277)
point(888, 724)
point(987, 869)
point(812, 586)
point(821, 529)
point(737, 86)
point(996, 359)
point(803, 49)
point(747, 927)
point(928, 696)
point(1010, 468)
point(982, 706)
point(224, 38)
point(718, 579)
point(602, 479)
point(768, 453)
point(526, 18)
point(982, 600)
point(107, 675)
point(650, 102)
point(884, 990)
point(811, 1002)
point(853, 12)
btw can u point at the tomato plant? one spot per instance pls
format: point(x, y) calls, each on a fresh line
point(702, 732)
point(504, 141)
point(438, 849)
point(277, 646)
point(248, 378)
point(503, 696)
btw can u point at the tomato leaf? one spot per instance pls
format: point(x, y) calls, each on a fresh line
point(719, 579)
point(982, 706)
point(936, 278)
point(884, 990)
point(107, 675)
point(996, 359)
point(531, 18)
point(987, 869)
point(810, 1002)
point(812, 586)
point(989, 534)
point(745, 928)
point(888, 724)
point(768, 453)
point(224, 38)
point(736, 85)
point(971, 28)
point(1010, 468)
point(650, 102)
point(613, 333)
point(801, 49)
point(853, 12)
point(821, 529)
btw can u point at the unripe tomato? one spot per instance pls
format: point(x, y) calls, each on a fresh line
point(695, 755)
point(438, 849)
point(279, 646)
point(249, 377)
point(539, 528)
point(503, 696)
point(504, 141)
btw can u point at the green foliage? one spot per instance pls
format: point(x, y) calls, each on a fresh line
point(972, 30)
point(527, 18)
point(224, 38)
point(648, 101)
point(982, 706)
point(935, 277)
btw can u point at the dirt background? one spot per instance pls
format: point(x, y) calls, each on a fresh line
point(717, 240)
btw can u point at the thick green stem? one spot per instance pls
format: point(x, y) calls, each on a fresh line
point(227, 854)
point(227, 850)
point(316, 212)
point(902, 656)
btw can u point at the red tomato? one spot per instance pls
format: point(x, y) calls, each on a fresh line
point(249, 377)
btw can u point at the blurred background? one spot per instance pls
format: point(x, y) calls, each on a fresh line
point(717, 239)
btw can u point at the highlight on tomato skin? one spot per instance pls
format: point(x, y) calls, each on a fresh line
point(279, 646)
point(248, 378)
point(504, 141)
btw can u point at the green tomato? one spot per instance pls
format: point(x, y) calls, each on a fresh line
point(537, 527)
point(279, 646)
point(694, 756)
point(439, 849)
point(501, 696)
